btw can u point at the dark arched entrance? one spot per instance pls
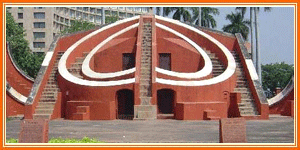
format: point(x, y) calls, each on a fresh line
point(125, 102)
point(166, 103)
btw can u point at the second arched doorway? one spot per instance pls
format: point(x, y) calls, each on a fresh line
point(166, 103)
point(125, 104)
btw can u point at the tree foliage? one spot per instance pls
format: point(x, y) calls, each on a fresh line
point(207, 19)
point(111, 19)
point(165, 10)
point(238, 24)
point(182, 13)
point(29, 62)
point(276, 75)
point(78, 25)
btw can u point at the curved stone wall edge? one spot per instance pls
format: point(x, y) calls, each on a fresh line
point(286, 91)
point(15, 94)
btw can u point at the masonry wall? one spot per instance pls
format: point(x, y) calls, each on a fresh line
point(285, 106)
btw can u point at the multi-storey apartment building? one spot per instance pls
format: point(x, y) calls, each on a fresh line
point(43, 23)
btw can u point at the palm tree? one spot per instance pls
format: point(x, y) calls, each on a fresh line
point(207, 20)
point(165, 10)
point(238, 24)
point(256, 10)
point(181, 13)
point(258, 64)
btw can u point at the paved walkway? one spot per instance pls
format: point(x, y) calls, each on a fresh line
point(276, 130)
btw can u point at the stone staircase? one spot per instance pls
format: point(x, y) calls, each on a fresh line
point(146, 56)
point(47, 101)
point(247, 106)
point(75, 68)
point(218, 67)
point(145, 110)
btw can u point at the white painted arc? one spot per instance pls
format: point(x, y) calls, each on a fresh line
point(205, 71)
point(18, 96)
point(63, 71)
point(231, 66)
point(86, 70)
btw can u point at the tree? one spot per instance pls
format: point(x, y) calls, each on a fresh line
point(207, 19)
point(238, 24)
point(29, 62)
point(257, 54)
point(258, 64)
point(111, 19)
point(165, 10)
point(181, 13)
point(276, 75)
point(78, 25)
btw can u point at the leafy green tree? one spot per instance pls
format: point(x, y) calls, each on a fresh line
point(78, 25)
point(276, 75)
point(207, 19)
point(111, 19)
point(238, 24)
point(29, 62)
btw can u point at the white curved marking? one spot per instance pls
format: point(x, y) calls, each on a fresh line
point(62, 68)
point(205, 71)
point(251, 69)
point(282, 94)
point(18, 96)
point(47, 58)
point(224, 76)
point(86, 70)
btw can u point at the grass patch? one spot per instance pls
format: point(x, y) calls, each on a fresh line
point(12, 140)
point(67, 140)
point(61, 140)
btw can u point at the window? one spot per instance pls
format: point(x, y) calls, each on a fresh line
point(21, 24)
point(129, 15)
point(39, 24)
point(8, 8)
point(128, 60)
point(38, 35)
point(165, 61)
point(39, 7)
point(39, 15)
point(85, 9)
point(39, 44)
point(20, 15)
point(20, 8)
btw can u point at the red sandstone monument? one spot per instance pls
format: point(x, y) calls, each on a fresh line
point(144, 67)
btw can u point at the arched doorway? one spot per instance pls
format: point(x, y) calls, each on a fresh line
point(125, 102)
point(166, 103)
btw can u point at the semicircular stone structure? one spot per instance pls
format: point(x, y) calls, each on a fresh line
point(147, 67)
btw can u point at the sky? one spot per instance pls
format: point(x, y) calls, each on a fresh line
point(276, 32)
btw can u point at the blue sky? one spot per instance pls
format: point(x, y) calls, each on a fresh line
point(276, 33)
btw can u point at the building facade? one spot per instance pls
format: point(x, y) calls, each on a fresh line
point(43, 23)
point(145, 67)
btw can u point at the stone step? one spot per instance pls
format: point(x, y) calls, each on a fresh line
point(247, 104)
point(43, 111)
point(49, 106)
point(44, 104)
point(248, 113)
point(242, 90)
point(145, 93)
point(145, 100)
point(41, 116)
